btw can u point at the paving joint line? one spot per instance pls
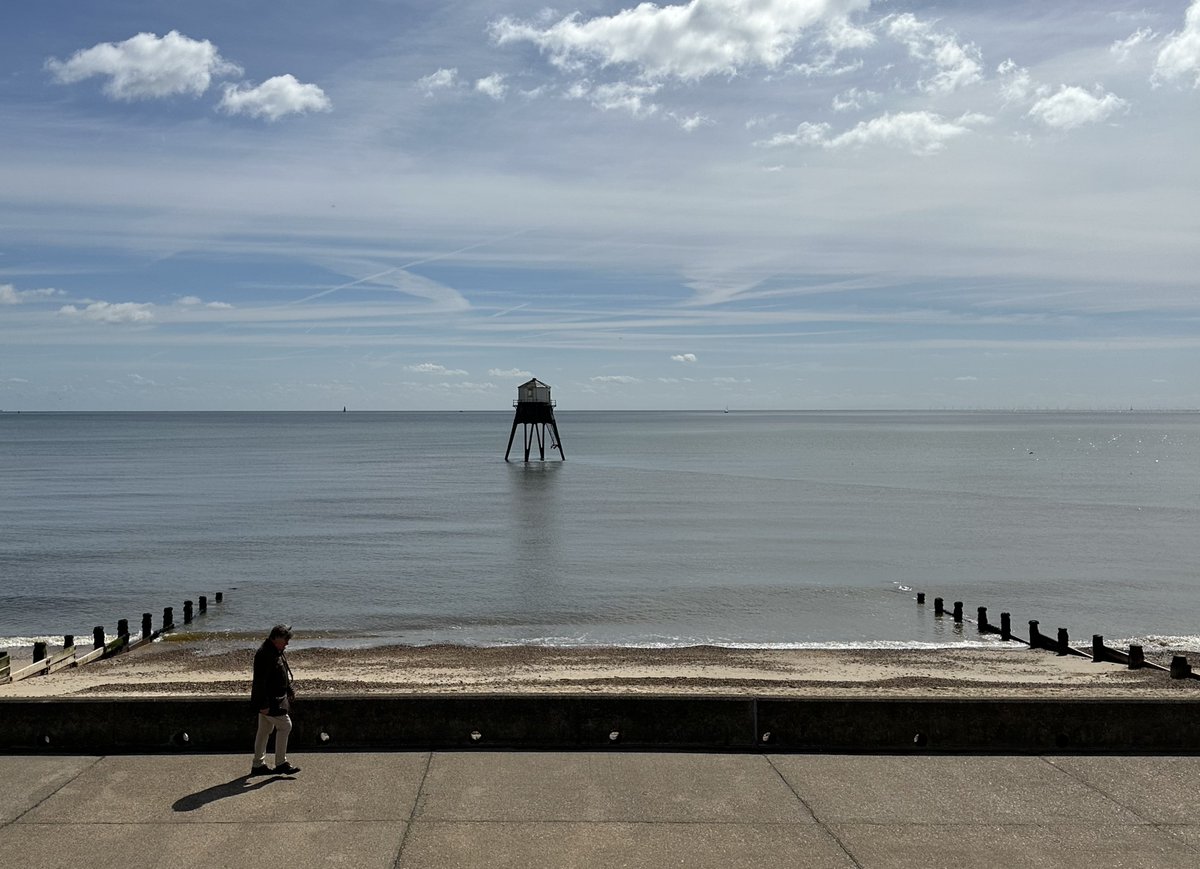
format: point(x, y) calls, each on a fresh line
point(1099, 790)
point(820, 823)
point(53, 792)
point(412, 816)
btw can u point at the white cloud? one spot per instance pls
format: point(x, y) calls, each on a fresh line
point(196, 302)
point(684, 357)
point(807, 133)
point(625, 96)
point(440, 80)
point(492, 86)
point(691, 122)
point(1123, 48)
point(1018, 85)
point(10, 295)
point(1180, 54)
point(615, 378)
point(110, 312)
point(956, 65)
point(1073, 107)
point(854, 99)
point(147, 66)
point(922, 133)
point(434, 368)
point(967, 378)
point(274, 98)
point(508, 372)
point(689, 41)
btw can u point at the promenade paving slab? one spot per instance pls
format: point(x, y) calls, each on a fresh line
point(370, 845)
point(476, 845)
point(1015, 846)
point(944, 790)
point(600, 809)
point(26, 781)
point(214, 788)
point(1158, 789)
point(530, 786)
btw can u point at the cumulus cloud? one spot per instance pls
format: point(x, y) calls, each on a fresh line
point(434, 368)
point(922, 133)
point(689, 123)
point(440, 80)
point(623, 96)
point(1017, 85)
point(111, 312)
point(1073, 107)
point(197, 302)
point(492, 86)
point(274, 98)
point(147, 66)
point(615, 378)
point(854, 99)
point(10, 295)
point(684, 357)
point(1123, 48)
point(686, 41)
point(508, 372)
point(955, 65)
point(1179, 56)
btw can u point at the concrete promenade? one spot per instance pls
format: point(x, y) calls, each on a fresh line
point(456, 809)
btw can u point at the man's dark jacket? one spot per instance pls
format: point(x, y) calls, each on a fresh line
point(272, 679)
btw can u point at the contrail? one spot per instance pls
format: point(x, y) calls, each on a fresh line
point(408, 265)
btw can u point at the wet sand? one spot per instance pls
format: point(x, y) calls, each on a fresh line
point(183, 666)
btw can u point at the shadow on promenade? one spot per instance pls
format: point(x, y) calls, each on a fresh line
point(239, 785)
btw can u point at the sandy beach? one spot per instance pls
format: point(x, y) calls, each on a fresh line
point(185, 665)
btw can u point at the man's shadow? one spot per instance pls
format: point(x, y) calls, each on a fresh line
point(239, 785)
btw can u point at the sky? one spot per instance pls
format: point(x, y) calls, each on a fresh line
point(753, 204)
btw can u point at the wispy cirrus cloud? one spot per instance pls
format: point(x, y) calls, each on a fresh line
point(136, 313)
point(435, 368)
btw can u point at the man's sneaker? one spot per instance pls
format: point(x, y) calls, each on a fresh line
point(286, 768)
point(260, 769)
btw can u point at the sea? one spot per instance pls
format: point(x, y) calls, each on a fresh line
point(800, 529)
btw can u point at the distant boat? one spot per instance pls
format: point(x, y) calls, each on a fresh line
point(727, 408)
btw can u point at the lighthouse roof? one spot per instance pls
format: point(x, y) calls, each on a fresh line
point(534, 382)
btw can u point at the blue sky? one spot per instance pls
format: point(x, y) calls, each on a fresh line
point(744, 203)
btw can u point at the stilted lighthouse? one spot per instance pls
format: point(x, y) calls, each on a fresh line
point(535, 411)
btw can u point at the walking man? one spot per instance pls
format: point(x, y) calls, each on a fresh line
point(272, 694)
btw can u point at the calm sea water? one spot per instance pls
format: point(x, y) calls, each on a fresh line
point(795, 529)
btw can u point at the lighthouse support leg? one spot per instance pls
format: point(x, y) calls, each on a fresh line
point(512, 434)
point(557, 441)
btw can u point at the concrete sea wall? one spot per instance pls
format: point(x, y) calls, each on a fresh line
point(587, 722)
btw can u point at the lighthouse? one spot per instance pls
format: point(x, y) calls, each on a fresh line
point(535, 411)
